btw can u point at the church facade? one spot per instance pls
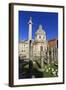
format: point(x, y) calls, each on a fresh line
point(41, 48)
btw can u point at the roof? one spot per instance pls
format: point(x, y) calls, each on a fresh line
point(52, 42)
point(25, 42)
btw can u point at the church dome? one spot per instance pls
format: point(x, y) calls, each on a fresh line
point(40, 35)
point(40, 30)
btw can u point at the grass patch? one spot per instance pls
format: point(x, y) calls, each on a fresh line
point(49, 70)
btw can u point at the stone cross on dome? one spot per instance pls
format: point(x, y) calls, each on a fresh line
point(40, 26)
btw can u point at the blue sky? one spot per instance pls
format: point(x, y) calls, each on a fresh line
point(48, 20)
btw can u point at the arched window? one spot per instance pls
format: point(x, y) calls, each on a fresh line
point(40, 37)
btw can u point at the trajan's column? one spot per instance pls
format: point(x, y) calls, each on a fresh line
point(30, 29)
point(30, 38)
point(30, 47)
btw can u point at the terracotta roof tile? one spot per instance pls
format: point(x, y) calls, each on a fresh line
point(52, 42)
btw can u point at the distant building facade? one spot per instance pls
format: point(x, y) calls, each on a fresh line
point(41, 48)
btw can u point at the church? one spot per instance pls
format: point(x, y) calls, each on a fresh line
point(40, 49)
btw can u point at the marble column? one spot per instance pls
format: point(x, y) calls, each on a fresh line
point(30, 29)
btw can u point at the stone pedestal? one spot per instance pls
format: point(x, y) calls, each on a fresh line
point(30, 59)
